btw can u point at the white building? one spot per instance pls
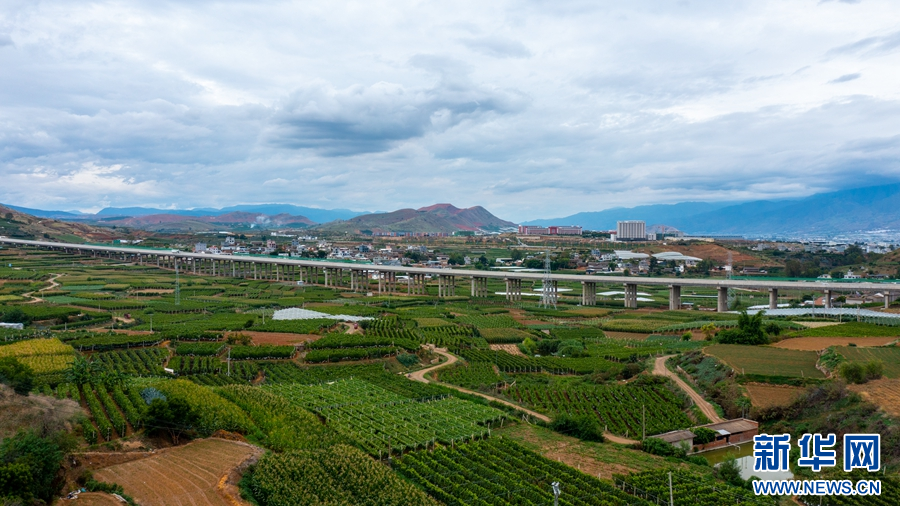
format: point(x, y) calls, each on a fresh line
point(631, 230)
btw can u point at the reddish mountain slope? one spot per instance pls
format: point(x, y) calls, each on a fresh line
point(437, 218)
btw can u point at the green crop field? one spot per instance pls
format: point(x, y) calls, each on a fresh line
point(622, 409)
point(850, 329)
point(382, 421)
point(767, 361)
point(113, 340)
point(889, 356)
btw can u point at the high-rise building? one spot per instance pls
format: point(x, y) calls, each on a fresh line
point(631, 230)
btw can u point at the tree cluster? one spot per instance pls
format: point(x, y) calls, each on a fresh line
point(28, 466)
point(17, 375)
point(749, 331)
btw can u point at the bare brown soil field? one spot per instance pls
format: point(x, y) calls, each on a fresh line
point(820, 343)
point(626, 335)
point(520, 316)
point(278, 338)
point(884, 392)
point(767, 396)
point(815, 325)
point(512, 349)
point(183, 475)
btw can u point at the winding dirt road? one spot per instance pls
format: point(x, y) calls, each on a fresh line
point(660, 369)
point(420, 376)
point(53, 285)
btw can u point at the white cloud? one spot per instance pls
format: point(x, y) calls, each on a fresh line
point(530, 109)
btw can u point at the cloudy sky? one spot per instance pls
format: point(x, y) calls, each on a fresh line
point(533, 109)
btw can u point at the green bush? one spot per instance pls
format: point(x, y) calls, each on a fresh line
point(702, 435)
point(408, 359)
point(16, 374)
point(28, 466)
point(585, 427)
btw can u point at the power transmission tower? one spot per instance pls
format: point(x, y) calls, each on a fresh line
point(548, 294)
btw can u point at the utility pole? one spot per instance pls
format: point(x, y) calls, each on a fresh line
point(643, 422)
point(671, 496)
point(556, 493)
point(229, 362)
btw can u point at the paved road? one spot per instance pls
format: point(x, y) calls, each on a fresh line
point(660, 369)
point(451, 359)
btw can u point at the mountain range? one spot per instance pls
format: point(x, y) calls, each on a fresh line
point(232, 220)
point(437, 218)
point(313, 214)
point(844, 211)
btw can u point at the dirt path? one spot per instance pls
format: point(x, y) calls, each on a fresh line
point(659, 368)
point(53, 285)
point(451, 359)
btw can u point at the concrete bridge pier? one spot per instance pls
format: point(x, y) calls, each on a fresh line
point(773, 298)
point(827, 299)
point(630, 295)
point(513, 289)
point(674, 297)
point(423, 285)
point(588, 293)
point(722, 299)
point(446, 286)
point(479, 287)
point(888, 298)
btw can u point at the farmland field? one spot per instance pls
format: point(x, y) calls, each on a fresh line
point(820, 343)
point(366, 433)
point(380, 420)
point(620, 408)
point(889, 356)
point(767, 396)
point(766, 360)
point(501, 472)
point(850, 329)
point(183, 475)
point(884, 392)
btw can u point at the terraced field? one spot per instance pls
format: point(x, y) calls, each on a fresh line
point(183, 475)
point(766, 360)
point(889, 356)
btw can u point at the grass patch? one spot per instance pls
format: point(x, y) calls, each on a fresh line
point(850, 329)
point(767, 361)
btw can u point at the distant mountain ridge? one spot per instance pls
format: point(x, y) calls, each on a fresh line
point(444, 218)
point(843, 211)
point(313, 214)
point(234, 219)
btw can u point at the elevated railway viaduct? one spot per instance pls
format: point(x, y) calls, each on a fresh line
point(356, 276)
